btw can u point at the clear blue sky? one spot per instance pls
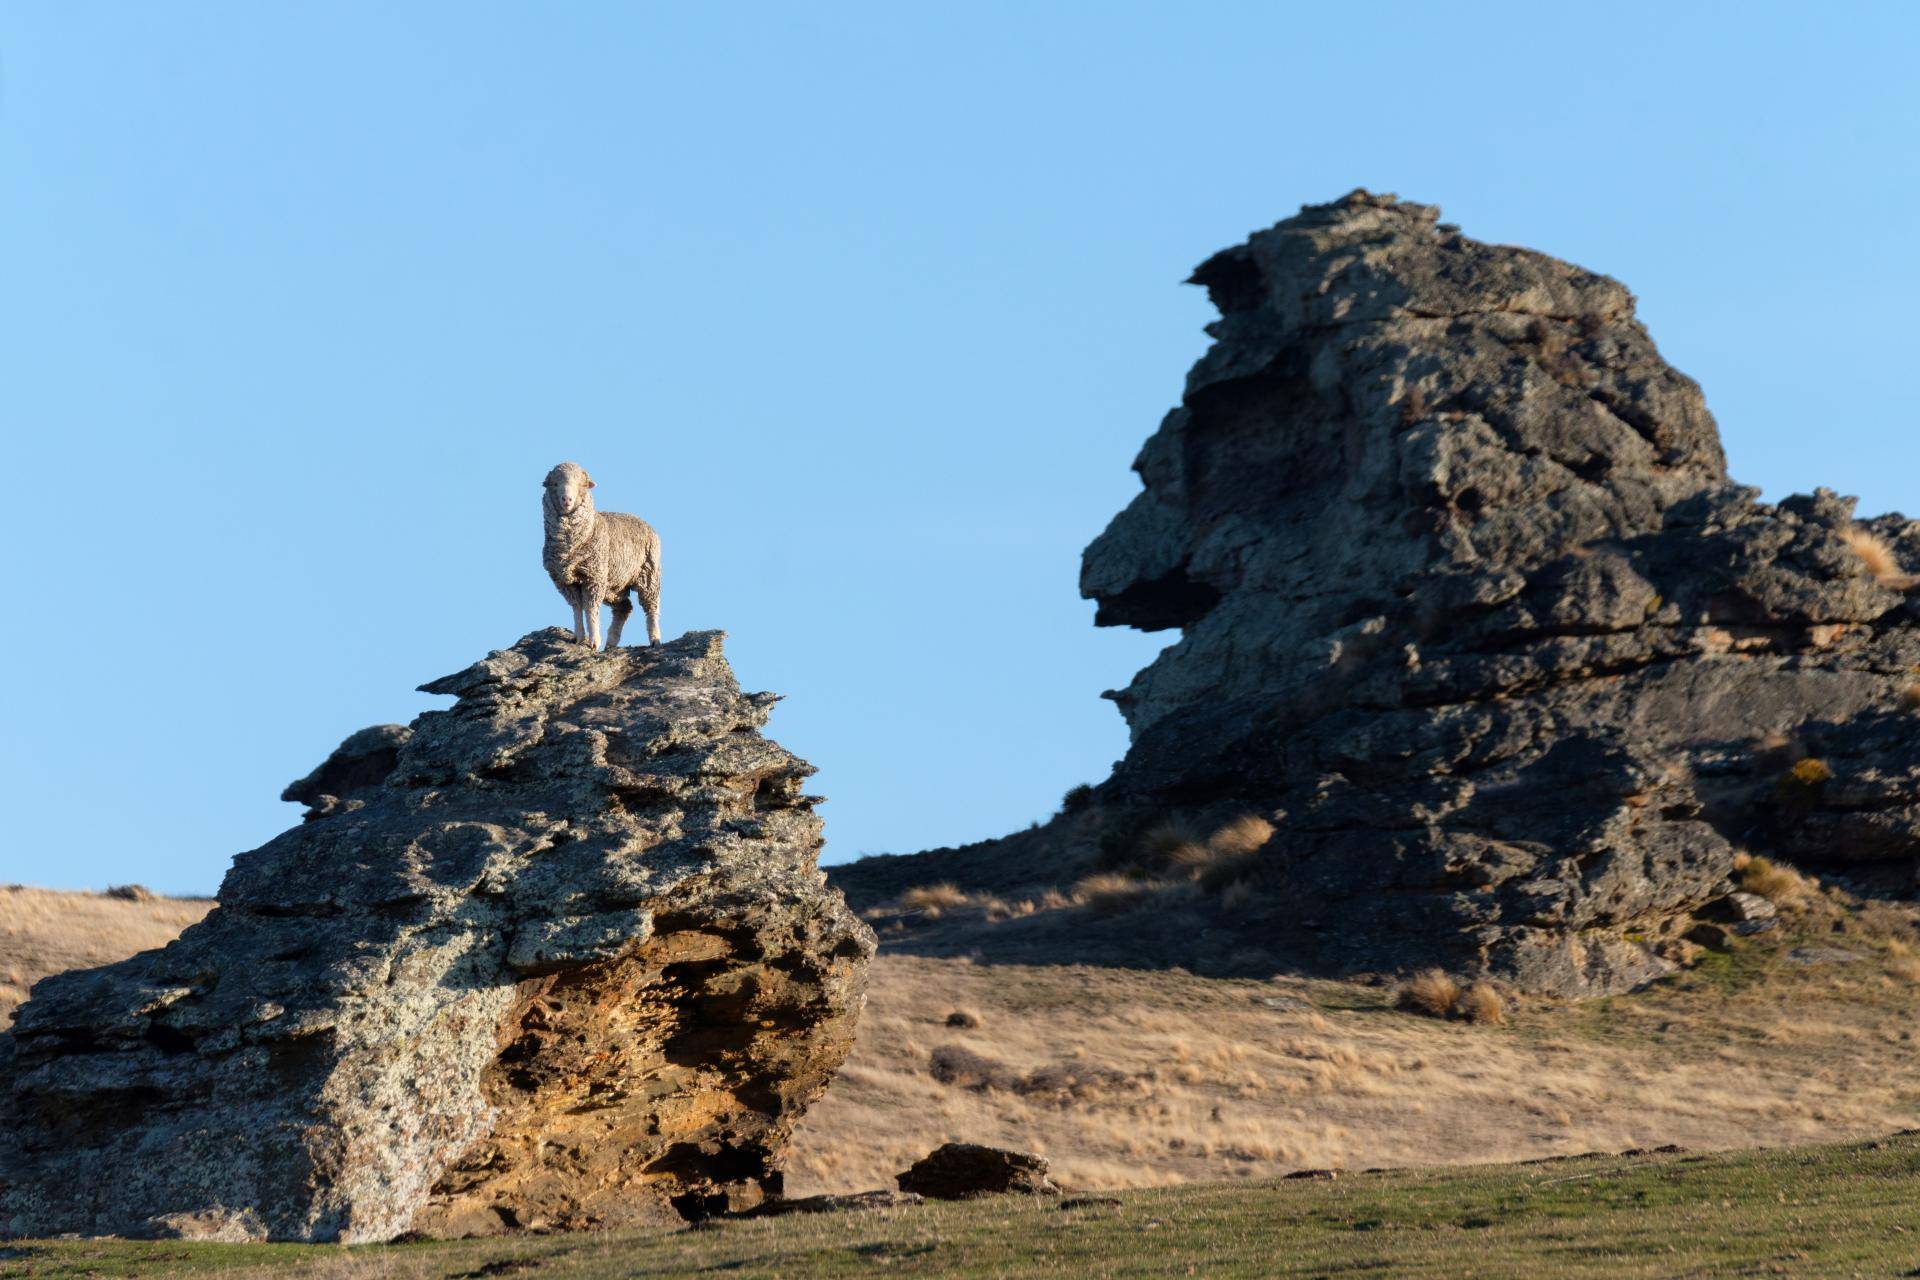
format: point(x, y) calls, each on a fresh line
point(866, 307)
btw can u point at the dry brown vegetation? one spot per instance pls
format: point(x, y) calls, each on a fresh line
point(43, 931)
point(1430, 991)
point(932, 899)
point(1132, 1078)
point(1776, 882)
point(1878, 557)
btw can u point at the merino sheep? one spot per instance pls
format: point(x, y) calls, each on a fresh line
point(597, 558)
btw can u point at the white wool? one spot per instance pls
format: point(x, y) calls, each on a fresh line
point(598, 558)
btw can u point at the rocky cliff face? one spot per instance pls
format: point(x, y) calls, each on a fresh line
point(556, 957)
point(1467, 601)
point(1468, 607)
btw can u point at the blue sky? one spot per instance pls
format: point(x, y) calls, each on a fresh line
point(866, 307)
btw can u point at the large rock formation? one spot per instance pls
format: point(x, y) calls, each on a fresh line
point(556, 957)
point(1467, 596)
point(1468, 604)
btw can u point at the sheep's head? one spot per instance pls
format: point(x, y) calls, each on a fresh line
point(565, 490)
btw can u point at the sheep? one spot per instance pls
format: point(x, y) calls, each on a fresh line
point(597, 558)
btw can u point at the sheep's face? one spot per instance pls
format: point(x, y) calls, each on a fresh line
point(566, 488)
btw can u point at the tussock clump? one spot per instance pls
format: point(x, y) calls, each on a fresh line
point(1170, 844)
point(1878, 557)
point(1431, 991)
point(1062, 1082)
point(1437, 994)
point(1480, 1003)
point(1223, 857)
point(1778, 884)
point(965, 1018)
point(961, 1067)
point(1109, 892)
point(132, 893)
point(932, 899)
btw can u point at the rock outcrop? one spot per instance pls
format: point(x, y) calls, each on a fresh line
point(1470, 609)
point(558, 956)
point(963, 1170)
point(1468, 602)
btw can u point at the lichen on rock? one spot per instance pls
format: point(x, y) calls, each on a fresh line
point(568, 963)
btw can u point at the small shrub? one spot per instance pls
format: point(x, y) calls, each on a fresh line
point(1780, 885)
point(1076, 799)
point(965, 1018)
point(932, 899)
point(963, 1068)
point(131, 893)
point(1430, 991)
point(1804, 777)
point(1480, 1003)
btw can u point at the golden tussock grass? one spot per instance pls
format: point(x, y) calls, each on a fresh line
point(932, 899)
point(1878, 557)
point(1480, 1003)
point(1431, 991)
point(1779, 884)
point(1110, 892)
point(45, 931)
point(1217, 862)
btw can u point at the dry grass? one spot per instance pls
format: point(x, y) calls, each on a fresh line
point(1430, 991)
point(1480, 1003)
point(44, 931)
point(1110, 892)
point(1878, 557)
point(1216, 862)
point(932, 899)
point(1779, 884)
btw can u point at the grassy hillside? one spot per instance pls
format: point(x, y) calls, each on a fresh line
point(1128, 1078)
point(1821, 1211)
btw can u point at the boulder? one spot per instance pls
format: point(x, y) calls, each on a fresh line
point(961, 1170)
point(568, 962)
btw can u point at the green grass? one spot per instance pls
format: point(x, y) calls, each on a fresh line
point(1814, 1211)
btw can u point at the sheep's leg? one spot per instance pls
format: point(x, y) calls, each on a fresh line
point(621, 608)
point(579, 615)
point(593, 596)
point(651, 603)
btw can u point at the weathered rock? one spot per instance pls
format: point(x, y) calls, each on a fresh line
point(568, 963)
point(1469, 606)
point(961, 1170)
point(360, 764)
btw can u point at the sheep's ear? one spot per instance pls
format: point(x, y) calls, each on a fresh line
point(592, 485)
